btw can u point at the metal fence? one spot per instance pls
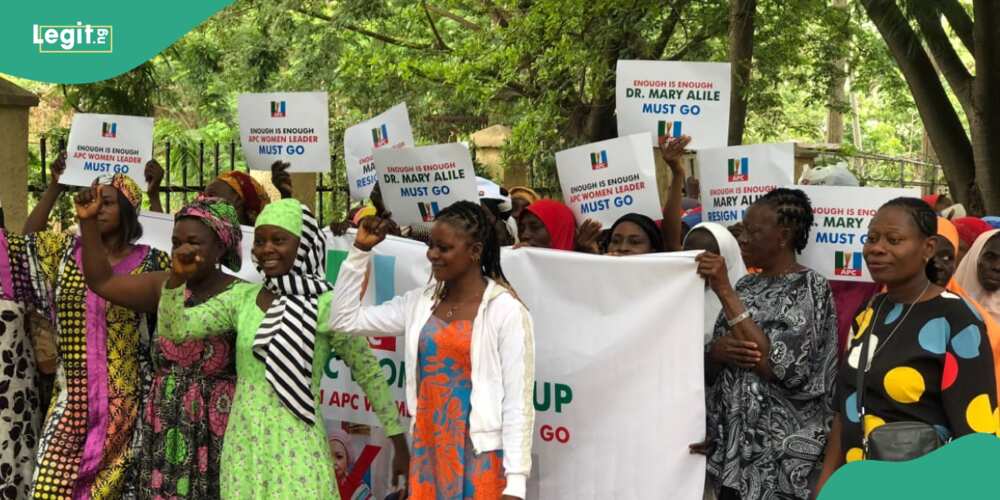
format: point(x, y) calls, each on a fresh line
point(185, 174)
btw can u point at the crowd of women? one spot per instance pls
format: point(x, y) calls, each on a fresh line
point(176, 380)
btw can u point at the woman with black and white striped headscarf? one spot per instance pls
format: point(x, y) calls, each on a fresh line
point(274, 447)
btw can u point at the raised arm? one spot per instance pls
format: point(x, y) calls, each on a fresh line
point(38, 220)
point(154, 176)
point(139, 292)
point(672, 151)
point(281, 179)
point(346, 312)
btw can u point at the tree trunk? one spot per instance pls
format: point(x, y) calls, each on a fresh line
point(741, 24)
point(985, 123)
point(938, 115)
point(838, 92)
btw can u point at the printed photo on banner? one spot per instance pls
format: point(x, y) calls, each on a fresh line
point(840, 226)
point(606, 180)
point(361, 460)
point(158, 230)
point(105, 145)
point(674, 98)
point(288, 126)
point(391, 129)
point(733, 177)
point(417, 183)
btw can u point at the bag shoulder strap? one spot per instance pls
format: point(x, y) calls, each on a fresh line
point(863, 360)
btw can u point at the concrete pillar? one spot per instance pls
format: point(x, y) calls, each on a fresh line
point(15, 103)
point(304, 189)
point(489, 144)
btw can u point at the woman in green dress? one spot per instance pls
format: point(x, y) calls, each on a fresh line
point(185, 413)
point(274, 447)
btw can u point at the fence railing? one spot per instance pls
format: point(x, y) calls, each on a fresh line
point(187, 167)
point(185, 174)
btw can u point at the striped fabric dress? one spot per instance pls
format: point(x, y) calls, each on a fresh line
point(89, 437)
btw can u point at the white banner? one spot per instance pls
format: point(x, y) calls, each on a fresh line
point(104, 145)
point(618, 397)
point(398, 266)
point(675, 98)
point(608, 179)
point(391, 129)
point(158, 230)
point(288, 126)
point(417, 183)
point(732, 178)
point(840, 225)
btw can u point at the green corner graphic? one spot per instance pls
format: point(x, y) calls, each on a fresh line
point(80, 42)
point(964, 468)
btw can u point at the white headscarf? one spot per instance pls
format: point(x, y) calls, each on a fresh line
point(967, 276)
point(729, 248)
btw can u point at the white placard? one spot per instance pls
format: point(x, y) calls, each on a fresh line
point(288, 126)
point(391, 129)
point(158, 229)
point(675, 98)
point(608, 179)
point(840, 225)
point(732, 178)
point(104, 145)
point(417, 183)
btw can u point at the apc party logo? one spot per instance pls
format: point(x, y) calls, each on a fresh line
point(671, 128)
point(109, 129)
point(277, 109)
point(599, 160)
point(739, 169)
point(428, 210)
point(380, 136)
point(847, 264)
point(76, 38)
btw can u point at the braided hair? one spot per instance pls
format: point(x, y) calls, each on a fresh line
point(471, 219)
point(922, 214)
point(794, 212)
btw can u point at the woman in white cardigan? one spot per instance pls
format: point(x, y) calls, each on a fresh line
point(470, 343)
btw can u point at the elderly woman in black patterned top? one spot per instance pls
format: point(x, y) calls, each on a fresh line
point(772, 359)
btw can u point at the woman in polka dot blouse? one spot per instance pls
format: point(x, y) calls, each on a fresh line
point(929, 357)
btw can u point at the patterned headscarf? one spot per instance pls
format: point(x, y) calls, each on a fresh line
point(254, 196)
point(128, 188)
point(221, 218)
point(286, 338)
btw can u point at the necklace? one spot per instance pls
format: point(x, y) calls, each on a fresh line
point(894, 330)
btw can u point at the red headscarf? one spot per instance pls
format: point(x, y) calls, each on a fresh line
point(969, 228)
point(558, 220)
point(931, 199)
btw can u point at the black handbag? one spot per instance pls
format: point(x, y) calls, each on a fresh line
point(893, 441)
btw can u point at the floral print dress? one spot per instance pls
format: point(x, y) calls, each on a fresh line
point(19, 403)
point(89, 438)
point(185, 416)
point(268, 451)
point(445, 464)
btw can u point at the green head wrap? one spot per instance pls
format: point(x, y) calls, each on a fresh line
point(285, 213)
